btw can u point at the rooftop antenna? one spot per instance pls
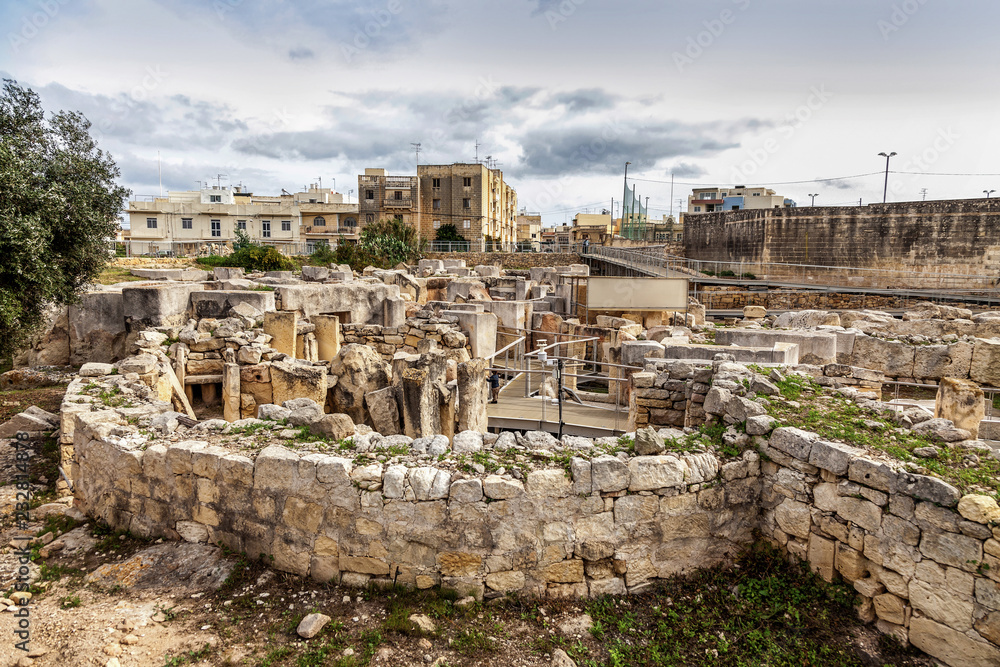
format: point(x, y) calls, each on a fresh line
point(416, 151)
point(923, 193)
point(218, 179)
point(320, 182)
point(159, 172)
point(477, 151)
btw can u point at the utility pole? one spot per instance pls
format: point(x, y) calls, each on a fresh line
point(416, 157)
point(923, 194)
point(813, 197)
point(623, 199)
point(671, 194)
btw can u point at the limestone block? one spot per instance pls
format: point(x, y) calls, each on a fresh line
point(754, 312)
point(942, 604)
point(383, 407)
point(294, 380)
point(466, 491)
point(565, 572)
point(793, 517)
point(952, 549)
point(548, 484)
point(985, 366)
point(336, 426)
point(860, 512)
point(952, 647)
point(467, 442)
point(281, 325)
point(962, 402)
point(981, 509)
point(927, 488)
point(368, 477)
point(505, 582)
point(851, 563)
point(940, 361)
point(655, 472)
point(833, 456)
point(893, 358)
point(876, 475)
point(583, 481)
point(792, 441)
point(502, 488)
point(611, 586)
point(609, 474)
point(275, 468)
point(429, 483)
point(821, 554)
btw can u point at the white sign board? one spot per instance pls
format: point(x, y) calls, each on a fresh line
point(612, 293)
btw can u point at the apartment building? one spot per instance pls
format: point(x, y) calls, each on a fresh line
point(529, 230)
point(594, 228)
point(709, 200)
point(470, 196)
point(186, 222)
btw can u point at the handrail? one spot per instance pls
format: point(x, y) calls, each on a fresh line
point(506, 347)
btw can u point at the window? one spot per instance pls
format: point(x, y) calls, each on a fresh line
point(466, 224)
point(735, 208)
point(265, 229)
point(756, 194)
point(437, 203)
point(436, 182)
point(350, 222)
point(697, 209)
point(398, 194)
point(286, 225)
point(466, 203)
point(241, 224)
point(369, 217)
point(150, 223)
point(312, 201)
point(437, 224)
point(216, 228)
point(398, 217)
point(215, 199)
point(467, 181)
point(319, 221)
point(186, 223)
point(706, 195)
point(369, 194)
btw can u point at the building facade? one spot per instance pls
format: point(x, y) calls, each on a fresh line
point(529, 230)
point(472, 197)
point(712, 200)
point(592, 228)
point(191, 222)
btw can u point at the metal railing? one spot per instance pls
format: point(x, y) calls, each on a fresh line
point(514, 247)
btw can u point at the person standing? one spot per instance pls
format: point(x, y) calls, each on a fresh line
point(495, 386)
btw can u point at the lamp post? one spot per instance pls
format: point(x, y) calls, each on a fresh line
point(885, 188)
point(988, 193)
point(813, 197)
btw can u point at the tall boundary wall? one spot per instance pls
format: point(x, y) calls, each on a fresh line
point(936, 237)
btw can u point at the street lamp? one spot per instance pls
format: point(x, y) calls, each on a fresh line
point(988, 193)
point(623, 199)
point(813, 197)
point(885, 189)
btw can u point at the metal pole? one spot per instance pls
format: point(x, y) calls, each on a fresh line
point(559, 390)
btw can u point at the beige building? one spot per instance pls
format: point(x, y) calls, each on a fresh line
point(710, 200)
point(472, 197)
point(188, 222)
point(593, 228)
point(529, 230)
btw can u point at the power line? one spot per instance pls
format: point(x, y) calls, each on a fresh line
point(811, 180)
point(929, 173)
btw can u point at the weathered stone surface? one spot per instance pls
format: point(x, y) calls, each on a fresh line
point(941, 429)
point(337, 426)
point(311, 625)
point(981, 509)
point(648, 442)
point(505, 582)
point(466, 491)
point(954, 648)
point(792, 441)
point(502, 488)
point(429, 483)
point(548, 484)
point(467, 442)
point(609, 473)
point(294, 380)
point(927, 488)
point(833, 456)
point(793, 517)
point(761, 425)
point(894, 358)
point(962, 402)
point(383, 408)
point(360, 370)
point(985, 367)
point(952, 549)
point(655, 472)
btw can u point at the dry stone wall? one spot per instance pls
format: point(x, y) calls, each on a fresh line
point(509, 260)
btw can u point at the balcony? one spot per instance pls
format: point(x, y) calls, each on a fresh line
point(405, 202)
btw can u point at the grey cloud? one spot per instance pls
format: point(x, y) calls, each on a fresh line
point(585, 100)
point(686, 170)
point(604, 147)
point(301, 54)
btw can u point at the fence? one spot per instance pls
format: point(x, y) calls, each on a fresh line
point(201, 248)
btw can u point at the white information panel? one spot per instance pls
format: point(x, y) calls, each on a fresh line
point(612, 293)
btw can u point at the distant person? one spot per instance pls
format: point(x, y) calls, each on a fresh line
point(586, 245)
point(495, 386)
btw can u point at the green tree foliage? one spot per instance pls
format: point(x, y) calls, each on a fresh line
point(59, 208)
point(389, 242)
point(449, 233)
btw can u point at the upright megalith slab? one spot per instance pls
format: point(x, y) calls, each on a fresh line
point(327, 336)
point(962, 402)
point(281, 326)
point(473, 395)
point(230, 392)
point(421, 409)
point(360, 370)
point(383, 406)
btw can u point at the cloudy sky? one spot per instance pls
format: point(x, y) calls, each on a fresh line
point(279, 93)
